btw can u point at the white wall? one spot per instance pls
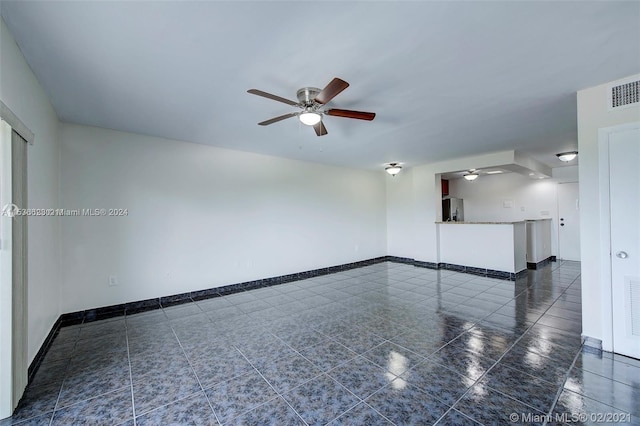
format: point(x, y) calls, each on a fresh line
point(567, 174)
point(202, 217)
point(400, 214)
point(596, 286)
point(413, 197)
point(485, 199)
point(22, 93)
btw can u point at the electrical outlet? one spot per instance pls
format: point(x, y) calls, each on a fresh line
point(113, 281)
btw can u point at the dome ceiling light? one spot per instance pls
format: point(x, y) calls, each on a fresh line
point(472, 175)
point(567, 156)
point(393, 169)
point(310, 118)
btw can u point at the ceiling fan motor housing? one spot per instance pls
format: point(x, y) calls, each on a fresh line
point(306, 95)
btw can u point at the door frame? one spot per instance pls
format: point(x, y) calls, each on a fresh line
point(606, 294)
point(6, 278)
point(558, 226)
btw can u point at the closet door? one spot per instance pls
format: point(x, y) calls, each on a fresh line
point(19, 266)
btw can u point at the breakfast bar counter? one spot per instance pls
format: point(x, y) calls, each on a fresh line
point(490, 246)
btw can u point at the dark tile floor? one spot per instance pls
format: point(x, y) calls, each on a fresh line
point(383, 344)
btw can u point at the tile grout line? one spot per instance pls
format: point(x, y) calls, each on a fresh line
point(511, 347)
point(55, 407)
point(566, 376)
point(564, 290)
point(358, 404)
point(193, 369)
point(322, 373)
point(133, 403)
point(361, 355)
point(272, 387)
point(164, 405)
point(561, 388)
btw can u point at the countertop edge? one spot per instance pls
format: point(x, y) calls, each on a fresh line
point(481, 223)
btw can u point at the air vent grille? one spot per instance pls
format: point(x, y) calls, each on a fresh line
point(625, 94)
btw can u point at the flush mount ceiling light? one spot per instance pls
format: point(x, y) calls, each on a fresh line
point(567, 156)
point(393, 169)
point(472, 175)
point(310, 118)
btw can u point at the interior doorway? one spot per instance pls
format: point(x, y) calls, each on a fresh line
point(568, 221)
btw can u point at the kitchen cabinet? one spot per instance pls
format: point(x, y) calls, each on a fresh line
point(445, 187)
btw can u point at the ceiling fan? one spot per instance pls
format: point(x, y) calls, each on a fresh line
point(312, 101)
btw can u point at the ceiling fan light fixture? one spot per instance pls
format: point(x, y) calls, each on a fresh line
point(471, 176)
point(313, 102)
point(310, 118)
point(567, 156)
point(393, 169)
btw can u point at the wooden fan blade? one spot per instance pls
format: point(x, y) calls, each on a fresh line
point(333, 88)
point(273, 97)
point(347, 113)
point(320, 129)
point(276, 119)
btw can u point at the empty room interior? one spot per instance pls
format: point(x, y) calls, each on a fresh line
point(306, 213)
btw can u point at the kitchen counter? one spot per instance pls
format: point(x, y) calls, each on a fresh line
point(496, 246)
point(479, 223)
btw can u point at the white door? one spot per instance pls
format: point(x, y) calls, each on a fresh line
point(624, 189)
point(568, 221)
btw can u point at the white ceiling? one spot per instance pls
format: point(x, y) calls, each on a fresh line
point(446, 79)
